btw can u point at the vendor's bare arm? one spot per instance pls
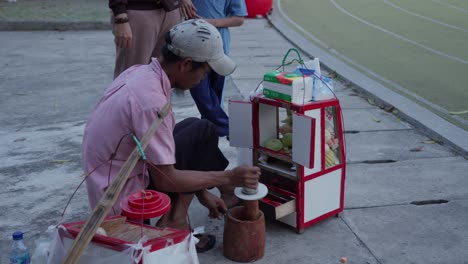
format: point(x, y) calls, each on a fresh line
point(167, 178)
point(233, 21)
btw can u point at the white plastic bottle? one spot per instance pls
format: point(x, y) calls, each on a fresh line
point(19, 253)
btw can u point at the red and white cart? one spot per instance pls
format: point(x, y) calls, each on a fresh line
point(305, 181)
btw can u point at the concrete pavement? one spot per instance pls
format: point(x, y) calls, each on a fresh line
point(51, 81)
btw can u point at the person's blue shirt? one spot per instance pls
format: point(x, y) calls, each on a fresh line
point(221, 9)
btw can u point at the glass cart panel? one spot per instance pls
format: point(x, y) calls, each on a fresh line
point(332, 142)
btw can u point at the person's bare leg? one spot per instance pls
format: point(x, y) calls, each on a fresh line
point(228, 196)
point(177, 215)
point(177, 218)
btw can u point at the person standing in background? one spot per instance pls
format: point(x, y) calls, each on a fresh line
point(208, 94)
point(139, 27)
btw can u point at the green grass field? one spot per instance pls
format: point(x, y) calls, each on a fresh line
point(418, 48)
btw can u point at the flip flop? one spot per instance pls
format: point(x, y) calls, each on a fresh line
point(206, 242)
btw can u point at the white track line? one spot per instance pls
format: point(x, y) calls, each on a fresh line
point(424, 17)
point(440, 53)
point(367, 70)
point(449, 5)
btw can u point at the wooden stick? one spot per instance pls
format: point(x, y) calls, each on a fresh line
point(108, 199)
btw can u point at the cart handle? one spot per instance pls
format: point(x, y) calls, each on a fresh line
point(300, 61)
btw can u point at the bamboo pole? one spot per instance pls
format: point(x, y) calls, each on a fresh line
point(108, 199)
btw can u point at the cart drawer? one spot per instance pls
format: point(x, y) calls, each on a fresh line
point(275, 207)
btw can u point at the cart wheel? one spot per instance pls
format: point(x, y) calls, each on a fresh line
point(338, 215)
point(300, 231)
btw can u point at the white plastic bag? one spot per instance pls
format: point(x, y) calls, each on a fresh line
point(41, 251)
point(94, 253)
point(54, 250)
point(322, 89)
point(181, 253)
point(322, 86)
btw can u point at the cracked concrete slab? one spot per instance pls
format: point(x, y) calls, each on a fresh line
point(405, 182)
point(325, 242)
point(413, 234)
point(349, 101)
point(372, 119)
point(394, 145)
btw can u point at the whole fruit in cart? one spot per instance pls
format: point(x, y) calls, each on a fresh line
point(273, 144)
point(287, 140)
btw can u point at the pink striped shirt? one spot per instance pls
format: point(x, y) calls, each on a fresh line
point(129, 105)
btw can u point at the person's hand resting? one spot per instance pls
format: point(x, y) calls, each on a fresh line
point(122, 34)
point(215, 205)
point(245, 176)
point(188, 10)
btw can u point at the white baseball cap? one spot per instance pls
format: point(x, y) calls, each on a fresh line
point(201, 41)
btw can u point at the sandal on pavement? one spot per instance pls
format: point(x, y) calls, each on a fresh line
point(205, 243)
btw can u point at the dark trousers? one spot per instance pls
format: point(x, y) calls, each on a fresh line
point(196, 142)
point(207, 96)
point(197, 148)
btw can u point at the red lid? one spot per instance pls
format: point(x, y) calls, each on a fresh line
point(145, 204)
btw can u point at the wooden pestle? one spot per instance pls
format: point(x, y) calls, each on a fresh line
point(250, 206)
point(250, 212)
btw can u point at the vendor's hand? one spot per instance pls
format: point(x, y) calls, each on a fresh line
point(188, 10)
point(215, 205)
point(122, 35)
point(245, 176)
